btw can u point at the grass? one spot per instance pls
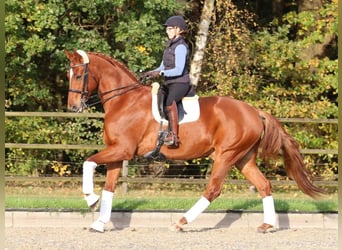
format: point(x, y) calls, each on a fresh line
point(157, 199)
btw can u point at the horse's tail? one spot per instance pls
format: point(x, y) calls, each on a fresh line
point(276, 140)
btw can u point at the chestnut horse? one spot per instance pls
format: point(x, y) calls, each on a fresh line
point(229, 130)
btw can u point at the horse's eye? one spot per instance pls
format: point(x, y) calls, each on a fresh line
point(79, 77)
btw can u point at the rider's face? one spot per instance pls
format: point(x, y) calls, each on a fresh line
point(172, 32)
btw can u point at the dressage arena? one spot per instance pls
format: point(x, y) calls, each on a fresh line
point(151, 230)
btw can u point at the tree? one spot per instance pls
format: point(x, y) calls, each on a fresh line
point(201, 41)
point(256, 51)
point(264, 66)
point(36, 34)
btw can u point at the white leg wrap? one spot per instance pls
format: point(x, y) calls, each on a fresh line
point(88, 174)
point(106, 206)
point(98, 226)
point(196, 209)
point(91, 199)
point(269, 211)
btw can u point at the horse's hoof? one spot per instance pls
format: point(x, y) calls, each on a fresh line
point(95, 206)
point(97, 226)
point(175, 227)
point(92, 201)
point(92, 230)
point(266, 228)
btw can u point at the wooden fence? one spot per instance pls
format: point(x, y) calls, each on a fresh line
point(101, 115)
point(125, 179)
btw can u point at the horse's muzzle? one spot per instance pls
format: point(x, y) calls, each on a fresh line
point(75, 109)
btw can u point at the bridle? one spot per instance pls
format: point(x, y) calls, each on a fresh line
point(84, 92)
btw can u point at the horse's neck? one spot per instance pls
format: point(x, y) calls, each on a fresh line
point(115, 81)
point(131, 101)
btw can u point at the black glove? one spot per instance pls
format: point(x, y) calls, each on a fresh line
point(150, 74)
point(145, 75)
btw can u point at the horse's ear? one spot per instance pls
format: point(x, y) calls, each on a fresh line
point(68, 54)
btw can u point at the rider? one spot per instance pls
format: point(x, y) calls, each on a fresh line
point(174, 69)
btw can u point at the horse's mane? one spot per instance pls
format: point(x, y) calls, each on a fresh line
point(114, 63)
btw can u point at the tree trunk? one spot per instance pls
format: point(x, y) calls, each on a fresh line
point(201, 41)
point(309, 5)
point(316, 49)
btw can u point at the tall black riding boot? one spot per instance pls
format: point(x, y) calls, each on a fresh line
point(172, 139)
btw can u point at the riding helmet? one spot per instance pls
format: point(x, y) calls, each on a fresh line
point(176, 21)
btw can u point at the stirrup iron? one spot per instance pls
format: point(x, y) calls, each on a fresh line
point(169, 142)
point(155, 154)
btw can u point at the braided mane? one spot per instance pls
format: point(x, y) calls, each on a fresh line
point(115, 63)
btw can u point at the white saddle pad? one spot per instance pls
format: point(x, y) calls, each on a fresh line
point(190, 104)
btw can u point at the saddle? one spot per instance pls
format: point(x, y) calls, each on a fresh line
point(188, 111)
point(188, 108)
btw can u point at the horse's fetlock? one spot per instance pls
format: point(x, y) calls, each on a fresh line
point(212, 195)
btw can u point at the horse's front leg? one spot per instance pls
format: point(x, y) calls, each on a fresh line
point(112, 176)
point(88, 184)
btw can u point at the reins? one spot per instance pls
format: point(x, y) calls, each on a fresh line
point(125, 88)
point(128, 88)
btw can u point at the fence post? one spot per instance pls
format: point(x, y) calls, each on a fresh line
point(125, 174)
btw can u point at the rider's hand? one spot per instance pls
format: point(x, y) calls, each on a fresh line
point(150, 74)
point(145, 75)
point(154, 74)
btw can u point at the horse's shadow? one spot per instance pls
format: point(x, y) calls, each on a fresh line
point(121, 218)
point(236, 212)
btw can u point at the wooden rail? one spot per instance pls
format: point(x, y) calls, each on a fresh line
point(156, 180)
point(99, 147)
point(125, 179)
point(101, 115)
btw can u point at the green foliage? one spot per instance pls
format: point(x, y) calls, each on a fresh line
point(139, 35)
point(37, 32)
point(295, 86)
point(40, 130)
point(287, 68)
point(296, 83)
point(227, 68)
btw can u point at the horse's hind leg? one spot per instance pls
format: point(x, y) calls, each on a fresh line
point(112, 176)
point(252, 173)
point(213, 190)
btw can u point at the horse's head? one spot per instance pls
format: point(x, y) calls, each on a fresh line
point(111, 79)
point(78, 80)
